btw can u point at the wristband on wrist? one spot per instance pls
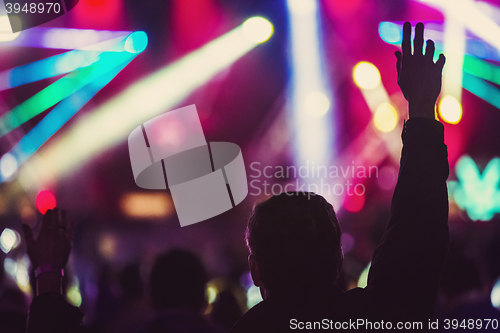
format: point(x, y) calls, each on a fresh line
point(48, 269)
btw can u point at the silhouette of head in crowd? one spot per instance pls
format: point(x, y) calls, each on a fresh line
point(294, 244)
point(178, 280)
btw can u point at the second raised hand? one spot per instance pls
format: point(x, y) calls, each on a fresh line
point(418, 76)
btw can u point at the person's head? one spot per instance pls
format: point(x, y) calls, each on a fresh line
point(178, 280)
point(294, 244)
point(131, 282)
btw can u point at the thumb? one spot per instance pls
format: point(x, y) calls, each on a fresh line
point(440, 62)
point(398, 63)
point(29, 236)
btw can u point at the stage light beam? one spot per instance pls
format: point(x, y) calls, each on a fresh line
point(317, 103)
point(472, 18)
point(144, 99)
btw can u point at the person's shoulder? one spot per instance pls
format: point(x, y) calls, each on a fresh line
point(259, 318)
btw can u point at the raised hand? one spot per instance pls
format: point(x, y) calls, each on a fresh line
point(53, 245)
point(418, 76)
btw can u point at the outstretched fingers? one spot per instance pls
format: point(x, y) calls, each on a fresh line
point(440, 62)
point(418, 42)
point(429, 50)
point(406, 42)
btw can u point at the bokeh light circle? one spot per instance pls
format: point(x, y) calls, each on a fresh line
point(136, 42)
point(385, 118)
point(450, 110)
point(366, 75)
point(257, 29)
point(45, 200)
point(8, 165)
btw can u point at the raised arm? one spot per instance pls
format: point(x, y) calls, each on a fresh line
point(49, 254)
point(406, 265)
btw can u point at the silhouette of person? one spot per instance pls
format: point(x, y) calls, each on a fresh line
point(49, 254)
point(178, 281)
point(294, 237)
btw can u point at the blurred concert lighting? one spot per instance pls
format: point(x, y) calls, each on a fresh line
point(71, 39)
point(454, 48)
point(392, 33)
point(495, 294)
point(477, 193)
point(117, 117)
point(9, 239)
point(6, 34)
point(310, 113)
point(385, 118)
point(468, 13)
point(482, 69)
point(146, 205)
point(366, 75)
point(482, 89)
point(66, 62)
point(18, 271)
point(8, 166)
point(45, 200)
point(315, 129)
point(257, 29)
point(60, 114)
point(354, 203)
point(73, 293)
point(61, 89)
point(317, 103)
point(450, 110)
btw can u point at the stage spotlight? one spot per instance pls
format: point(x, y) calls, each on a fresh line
point(450, 109)
point(390, 33)
point(61, 89)
point(257, 29)
point(9, 239)
point(8, 166)
point(495, 294)
point(59, 115)
point(317, 103)
point(142, 100)
point(146, 205)
point(309, 85)
point(45, 200)
point(136, 42)
point(82, 55)
point(6, 34)
point(366, 75)
point(454, 48)
point(385, 118)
